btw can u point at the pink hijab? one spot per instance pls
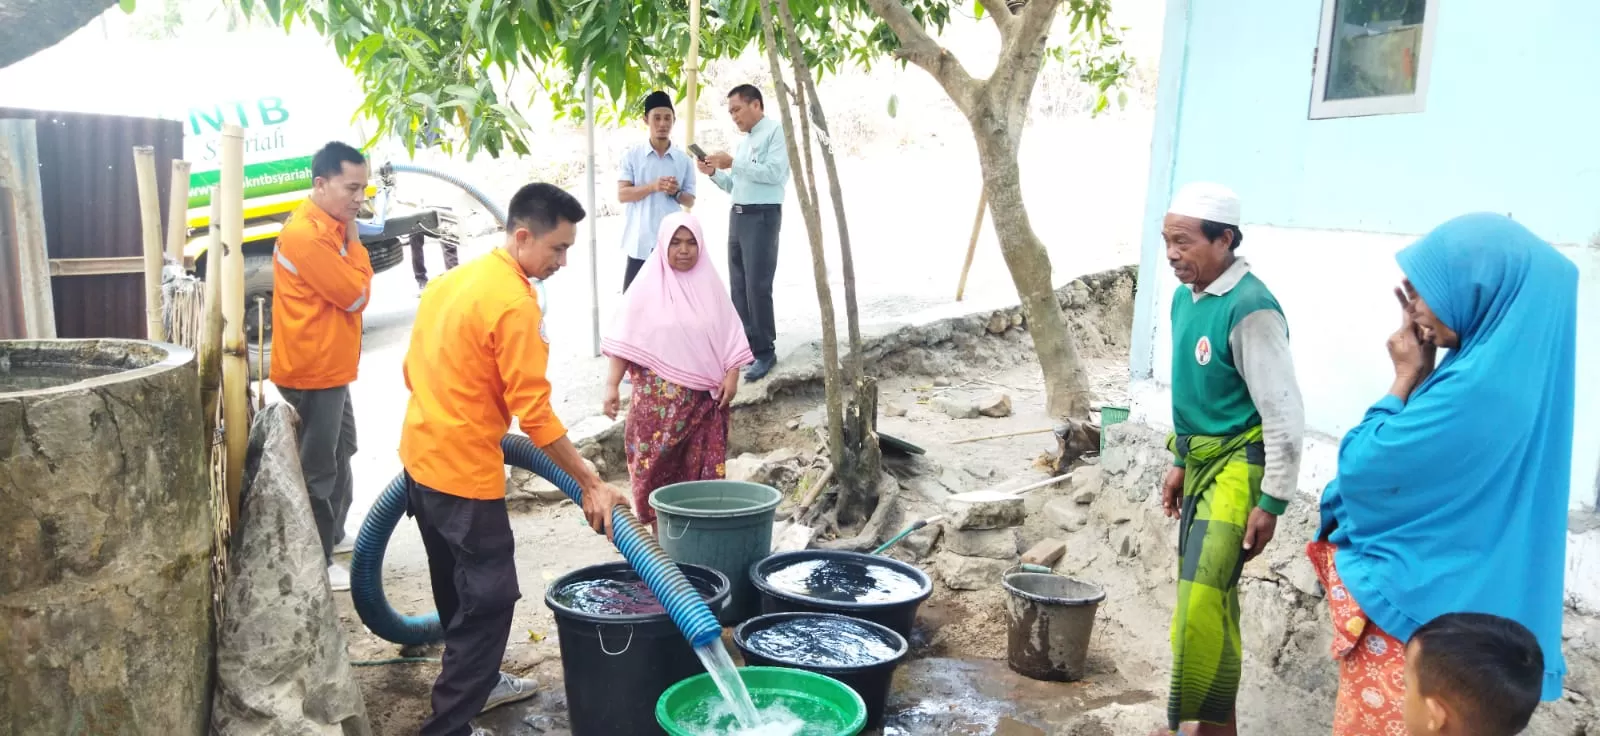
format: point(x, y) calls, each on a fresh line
point(680, 324)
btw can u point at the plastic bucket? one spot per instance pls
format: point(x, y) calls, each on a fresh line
point(870, 681)
point(1050, 619)
point(616, 666)
point(722, 524)
point(898, 616)
point(826, 705)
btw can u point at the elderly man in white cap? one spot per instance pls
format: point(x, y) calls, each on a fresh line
point(1238, 423)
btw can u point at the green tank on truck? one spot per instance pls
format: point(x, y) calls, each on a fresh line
point(280, 138)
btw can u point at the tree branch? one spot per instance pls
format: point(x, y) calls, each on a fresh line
point(1021, 57)
point(1001, 13)
point(919, 48)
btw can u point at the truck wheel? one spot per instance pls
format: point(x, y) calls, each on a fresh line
point(385, 254)
point(258, 283)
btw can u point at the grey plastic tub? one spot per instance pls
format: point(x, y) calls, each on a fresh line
point(725, 525)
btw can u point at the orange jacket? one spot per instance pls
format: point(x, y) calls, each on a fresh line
point(477, 357)
point(321, 282)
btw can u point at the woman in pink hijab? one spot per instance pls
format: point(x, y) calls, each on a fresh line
point(682, 345)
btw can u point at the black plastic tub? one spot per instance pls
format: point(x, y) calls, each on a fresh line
point(898, 615)
point(617, 666)
point(870, 681)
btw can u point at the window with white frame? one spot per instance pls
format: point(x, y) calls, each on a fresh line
point(1373, 57)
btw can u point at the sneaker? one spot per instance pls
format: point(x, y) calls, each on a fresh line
point(759, 369)
point(510, 690)
point(345, 546)
point(338, 578)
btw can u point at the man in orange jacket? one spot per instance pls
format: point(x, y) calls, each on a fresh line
point(477, 358)
point(321, 284)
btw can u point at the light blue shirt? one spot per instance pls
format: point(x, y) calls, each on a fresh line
point(760, 166)
point(641, 166)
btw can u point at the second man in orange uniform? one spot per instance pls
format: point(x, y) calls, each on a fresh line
point(322, 281)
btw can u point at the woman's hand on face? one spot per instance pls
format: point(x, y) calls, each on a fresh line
point(1413, 357)
point(730, 388)
point(612, 403)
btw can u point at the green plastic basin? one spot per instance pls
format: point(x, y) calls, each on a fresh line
point(827, 706)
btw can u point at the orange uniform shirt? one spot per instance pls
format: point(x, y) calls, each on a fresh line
point(321, 281)
point(477, 357)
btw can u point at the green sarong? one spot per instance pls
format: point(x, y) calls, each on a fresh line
point(1222, 483)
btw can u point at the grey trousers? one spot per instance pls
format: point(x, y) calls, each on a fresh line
point(327, 442)
point(752, 263)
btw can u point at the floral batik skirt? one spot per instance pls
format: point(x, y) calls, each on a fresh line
point(1372, 681)
point(673, 435)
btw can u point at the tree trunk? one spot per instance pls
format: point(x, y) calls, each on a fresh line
point(819, 260)
point(30, 26)
point(859, 474)
point(1066, 382)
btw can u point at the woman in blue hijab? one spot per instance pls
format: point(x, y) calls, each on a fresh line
point(1451, 495)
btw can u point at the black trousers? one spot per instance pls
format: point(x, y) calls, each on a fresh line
point(419, 265)
point(472, 565)
point(327, 442)
point(634, 265)
point(752, 263)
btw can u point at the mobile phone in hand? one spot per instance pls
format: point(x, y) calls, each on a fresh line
point(699, 153)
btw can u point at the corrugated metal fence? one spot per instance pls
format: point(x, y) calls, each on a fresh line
point(91, 210)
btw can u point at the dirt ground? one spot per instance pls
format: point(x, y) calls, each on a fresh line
point(956, 680)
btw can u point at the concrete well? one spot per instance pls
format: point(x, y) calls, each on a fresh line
point(105, 533)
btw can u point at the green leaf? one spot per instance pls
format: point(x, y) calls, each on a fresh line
point(1122, 98)
point(127, 5)
point(894, 102)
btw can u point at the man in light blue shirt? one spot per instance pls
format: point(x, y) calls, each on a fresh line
point(657, 179)
point(755, 175)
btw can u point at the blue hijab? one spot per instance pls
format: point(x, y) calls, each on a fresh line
point(1456, 501)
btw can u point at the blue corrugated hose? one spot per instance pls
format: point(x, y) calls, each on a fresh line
point(682, 602)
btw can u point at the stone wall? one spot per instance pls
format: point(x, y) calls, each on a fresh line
point(105, 530)
point(1290, 679)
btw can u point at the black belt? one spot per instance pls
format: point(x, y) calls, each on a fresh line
point(751, 209)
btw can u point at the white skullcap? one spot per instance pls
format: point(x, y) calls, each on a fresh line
point(1207, 201)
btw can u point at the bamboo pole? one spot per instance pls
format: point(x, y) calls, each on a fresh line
point(972, 244)
point(144, 170)
point(235, 365)
point(178, 212)
point(694, 75)
point(211, 338)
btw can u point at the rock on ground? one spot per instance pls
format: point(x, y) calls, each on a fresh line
point(995, 406)
point(1047, 552)
point(970, 573)
point(986, 510)
point(997, 544)
point(1066, 514)
point(957, 407)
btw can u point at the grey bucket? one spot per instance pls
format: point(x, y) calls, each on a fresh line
point(1050, 621)
point(722, 524)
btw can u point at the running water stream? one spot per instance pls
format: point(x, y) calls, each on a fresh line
point(715, 657)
